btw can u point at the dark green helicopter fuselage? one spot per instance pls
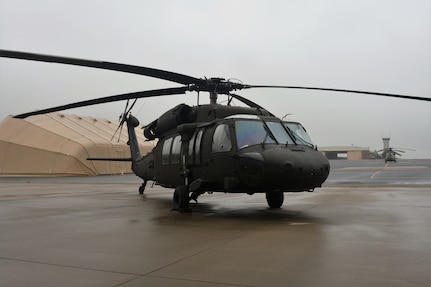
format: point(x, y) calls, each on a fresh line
point(227, 149)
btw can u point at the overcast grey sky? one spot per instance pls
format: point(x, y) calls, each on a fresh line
point(382, 46)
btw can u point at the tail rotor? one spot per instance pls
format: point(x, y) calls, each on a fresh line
point(123, 118)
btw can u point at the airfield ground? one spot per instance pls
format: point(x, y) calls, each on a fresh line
point(370, 225)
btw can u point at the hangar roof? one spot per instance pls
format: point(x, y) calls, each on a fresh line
point(343, 148)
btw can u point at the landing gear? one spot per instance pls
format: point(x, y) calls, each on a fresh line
point(142, 187)
point(275, 199)
point(181, 198)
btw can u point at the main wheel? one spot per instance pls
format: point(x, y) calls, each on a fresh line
point(275, 199)
point(181, 198)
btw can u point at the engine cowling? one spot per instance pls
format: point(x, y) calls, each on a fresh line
point(176, 116)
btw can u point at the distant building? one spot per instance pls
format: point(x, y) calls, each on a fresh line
point(346, 152)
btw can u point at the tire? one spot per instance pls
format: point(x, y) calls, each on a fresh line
point(181, 198)
point(275, 199)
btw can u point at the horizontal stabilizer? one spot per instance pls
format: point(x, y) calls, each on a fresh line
point(110, 159)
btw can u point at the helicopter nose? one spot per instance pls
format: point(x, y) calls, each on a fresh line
point(284, 168)
point(295, 169)
point(304, 169)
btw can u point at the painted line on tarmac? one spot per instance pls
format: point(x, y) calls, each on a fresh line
point(377, 172)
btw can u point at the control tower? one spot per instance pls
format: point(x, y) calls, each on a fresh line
point(386, 142)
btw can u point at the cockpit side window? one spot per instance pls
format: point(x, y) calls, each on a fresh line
point(299, 133)
point(221, 139)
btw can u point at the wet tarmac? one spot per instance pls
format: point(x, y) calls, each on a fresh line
point(370, 225)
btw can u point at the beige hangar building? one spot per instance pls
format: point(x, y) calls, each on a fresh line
point(59, 144)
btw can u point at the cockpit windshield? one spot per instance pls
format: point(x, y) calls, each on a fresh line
point(253, 132)
point(299, 133)
point(279, 132)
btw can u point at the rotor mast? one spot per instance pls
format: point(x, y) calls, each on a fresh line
point(213, 97)
point(217, 86)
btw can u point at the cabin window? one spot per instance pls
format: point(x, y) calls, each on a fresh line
point(176, 150)
point(192, 145)
point(166, 151)
point(195, 147)
point(221, 139)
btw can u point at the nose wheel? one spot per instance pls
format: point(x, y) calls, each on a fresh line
point(275, 199)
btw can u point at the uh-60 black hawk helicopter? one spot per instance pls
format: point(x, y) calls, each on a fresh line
point(212, 147)
point(390, 154)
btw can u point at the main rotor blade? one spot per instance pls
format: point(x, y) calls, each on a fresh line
point(150, 72)
point(341, 90)
point(401, 149)
point(144, 94)
point(217, 85)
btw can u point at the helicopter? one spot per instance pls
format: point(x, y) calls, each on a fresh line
point(390, 154)
point(211, 147)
